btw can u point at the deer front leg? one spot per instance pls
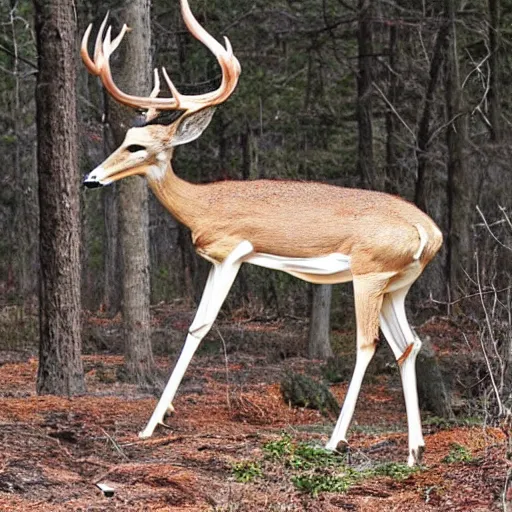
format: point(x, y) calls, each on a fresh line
point(368, 300)
point(217, 287)
point(405, 345)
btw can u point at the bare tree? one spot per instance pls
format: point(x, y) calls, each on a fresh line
point(60, 366)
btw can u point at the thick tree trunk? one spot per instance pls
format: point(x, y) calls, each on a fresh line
point(364, 98)
point(60, 367)
point(423, 137)
point(134, 74)
point(461, 182)
point(319, 345)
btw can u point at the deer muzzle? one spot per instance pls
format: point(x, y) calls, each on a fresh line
point(95, 178)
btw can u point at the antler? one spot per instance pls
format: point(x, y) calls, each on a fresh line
point(100, 66)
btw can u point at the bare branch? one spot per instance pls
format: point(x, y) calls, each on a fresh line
point(389, 104)
point(491, 334)
point(490, 231)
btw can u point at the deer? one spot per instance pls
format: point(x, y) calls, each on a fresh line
point(317, 232)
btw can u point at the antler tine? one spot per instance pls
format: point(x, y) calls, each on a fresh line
point(156, 88)
point(109, 46)
point(98, 48)
point(89, 63)
point(93, 65)
point(227, 61)
point(152, 112)
point(175, 93)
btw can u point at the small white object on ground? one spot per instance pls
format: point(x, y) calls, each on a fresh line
point(106, 490)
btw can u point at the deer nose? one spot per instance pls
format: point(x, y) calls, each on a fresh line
point(91, 181)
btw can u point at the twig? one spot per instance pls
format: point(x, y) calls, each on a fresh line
point(154, 442)
point(505, 489)
point(228, 400)
point(114, 443)
point(471, 295)
point(489, 229)
point(507, 218)
point(389, 104)
point(489, 327)
point(23, 59)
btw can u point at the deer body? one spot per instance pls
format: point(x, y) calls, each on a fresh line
point(377, 230)
point(316, 232)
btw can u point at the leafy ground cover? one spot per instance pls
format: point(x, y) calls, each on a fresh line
point(234, 445)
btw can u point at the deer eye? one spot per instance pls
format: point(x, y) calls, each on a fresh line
point(133, 148)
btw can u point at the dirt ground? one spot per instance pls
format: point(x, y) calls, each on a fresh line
point(54, 450)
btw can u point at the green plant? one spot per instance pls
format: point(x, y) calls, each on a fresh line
point(317, 483)
point(458, 453)
point(300, 455)
point(313, 469)
point(395, 470)
point(246, 471)
point(307, 456)
point(278, 449)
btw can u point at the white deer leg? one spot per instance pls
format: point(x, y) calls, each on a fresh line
point(405, 345)
point(217, 287)
point(368, 300)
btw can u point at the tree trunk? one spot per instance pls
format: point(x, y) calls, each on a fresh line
point(319, 345)
point(364, 114)
point(423, 137)
point(460, 181)
point(433, 393)
point(134, 74)
point(494, 70)
point(393, 180)
point(60, 366)
point(112, 274)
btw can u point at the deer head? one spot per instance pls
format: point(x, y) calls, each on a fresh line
point(168, 122)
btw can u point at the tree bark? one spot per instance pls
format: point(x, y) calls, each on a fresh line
point(60, 366)
point(134, 74)
point(423, 137)
point(112, 274)
point(494, 69)
point(364, 113)
point(460, 181)
point(319, 345)
point(433, 393)
point(392, 184)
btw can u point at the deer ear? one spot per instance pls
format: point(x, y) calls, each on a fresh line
point(192, 126)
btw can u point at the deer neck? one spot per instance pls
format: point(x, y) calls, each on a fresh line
point(184, 200)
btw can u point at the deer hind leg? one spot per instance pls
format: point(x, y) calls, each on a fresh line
point(368, 292)
point(219, 283)
point(405, 345)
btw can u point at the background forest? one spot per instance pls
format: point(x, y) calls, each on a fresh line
point(408, 97)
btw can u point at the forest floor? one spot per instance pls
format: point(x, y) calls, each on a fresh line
point(234, 445)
